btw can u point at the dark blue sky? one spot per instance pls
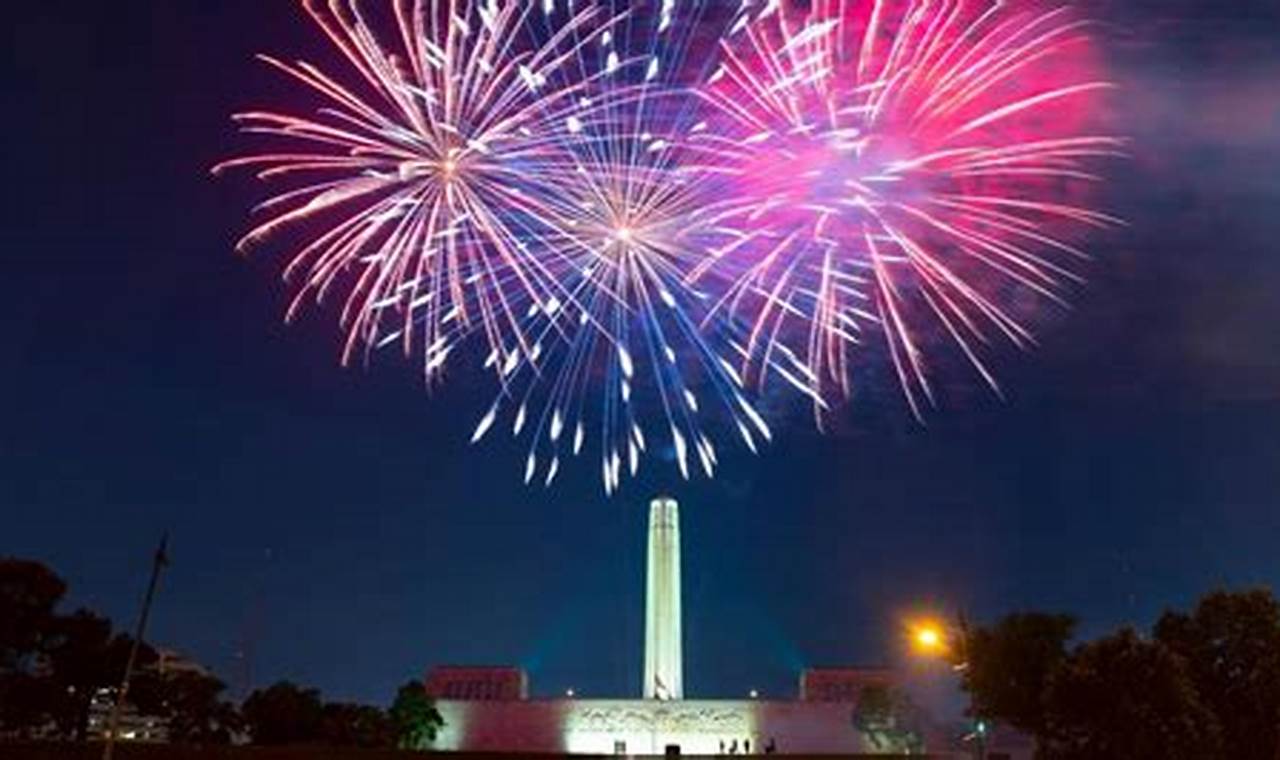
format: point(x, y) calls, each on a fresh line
point(337, 520)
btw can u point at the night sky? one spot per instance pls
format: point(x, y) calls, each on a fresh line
point(334, 523)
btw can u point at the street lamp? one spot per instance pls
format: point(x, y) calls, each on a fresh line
point(928, 637)
point(937, 638)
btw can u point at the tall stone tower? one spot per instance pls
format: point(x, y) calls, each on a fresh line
point(663, 658)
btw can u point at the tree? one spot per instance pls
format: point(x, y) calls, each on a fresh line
point(351, 725)
point(1007, 666)
point(889, 719)
point(414, 717)
point(52, 666)
point(28, 704)
point(29, 594)
point(1231, 644)
point(83, 657)
point(284, 713)
point(190, 704)
point(1125, 698)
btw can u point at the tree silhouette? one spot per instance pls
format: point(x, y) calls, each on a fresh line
point(190, 703)
point(1231, 644)
point(352, 725)
point(415, 718)
point(888, 718)
point(284, 713)
point(1007, 666)
point(83, 657)
point(1125, 697)
point(29, 594)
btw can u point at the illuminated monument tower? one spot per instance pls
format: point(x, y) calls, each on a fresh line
point(488, 709)
point(663, 661)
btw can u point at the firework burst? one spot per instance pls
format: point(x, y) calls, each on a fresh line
point(487, 172)
point(630, 346)
point(635, 255)
point(422, 183)
point(638, 222)
point(919, 168)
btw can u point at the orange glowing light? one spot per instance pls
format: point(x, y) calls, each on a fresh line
point(928, 637)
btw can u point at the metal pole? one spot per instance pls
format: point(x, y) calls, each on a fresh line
point(161, 559)
point(979, 725)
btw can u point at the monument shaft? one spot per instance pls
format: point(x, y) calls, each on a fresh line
point(663, 657)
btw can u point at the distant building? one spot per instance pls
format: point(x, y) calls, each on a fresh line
point(136, 726)
point(170, 662)
point(840, 684)
point(487, 709)
point(477, 683)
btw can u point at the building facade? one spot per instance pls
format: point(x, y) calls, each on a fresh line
point(841, 684)
point(650, 726)
point(477, 683)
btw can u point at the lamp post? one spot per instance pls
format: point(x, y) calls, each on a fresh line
point(941, 639)
point(159, 561)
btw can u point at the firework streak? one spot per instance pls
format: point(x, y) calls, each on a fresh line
point(641, 220)
point(916, 164)
point(430, 202)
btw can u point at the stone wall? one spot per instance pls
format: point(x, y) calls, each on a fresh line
point(649, 726)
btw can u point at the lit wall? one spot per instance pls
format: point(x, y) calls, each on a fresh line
point(592, 726)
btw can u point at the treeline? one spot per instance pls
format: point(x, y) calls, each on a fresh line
point(288, 714)
point(54, 664)
point(1199, 684)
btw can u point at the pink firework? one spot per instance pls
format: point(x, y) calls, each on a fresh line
point(913, 167)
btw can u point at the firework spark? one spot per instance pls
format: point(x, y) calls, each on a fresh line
point(919, 166)
point(421, 184)
point(487, 174)
point(534, 179)
point(638, 222)
point(638, 216)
